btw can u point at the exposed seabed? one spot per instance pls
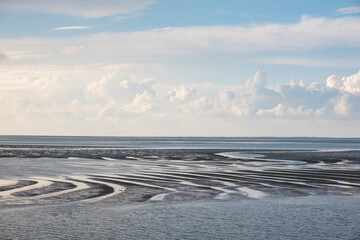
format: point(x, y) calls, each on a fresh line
point(179, 194)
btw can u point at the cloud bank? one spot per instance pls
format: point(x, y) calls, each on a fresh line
point(54, 98)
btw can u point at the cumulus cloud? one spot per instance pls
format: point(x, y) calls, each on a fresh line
point(117, 96)
point(188, 100)
point(347, 104)
point(90, 97)
point(316, 95)
point(348, 83)
point(181, 93)
point(198, 105)
point(117, 86)
point(142, 102)
point(242, 103)
point(288, 100)
point(340, 95)
point(337, 97)
point(254, 95)
point(226, 97)
point(112, 110)
point(81, 8)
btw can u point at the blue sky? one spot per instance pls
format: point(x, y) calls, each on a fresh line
point(180, 67)
point(18, 23)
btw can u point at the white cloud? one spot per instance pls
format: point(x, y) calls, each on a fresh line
point(226, 97)
point(314, 96)
point(181, 93)
point(71, 28)
point(188, 100)
point(112, 111)
point(308, 34)
point(349, 10)
point(142, 102)
point(113, 97)
point(259, 81)
point(198, 105)
point(117, 86)
point(81, 8)
point(73, 49)
point(309, 62)
point(282, 111)
point(349, 83)
point(18, 55)
point(255, 95)
point(289, 100)
point(347, 104)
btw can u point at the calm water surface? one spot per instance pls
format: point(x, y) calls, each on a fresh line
point(179, 188)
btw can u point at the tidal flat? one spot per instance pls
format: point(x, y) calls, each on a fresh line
point(179, 188)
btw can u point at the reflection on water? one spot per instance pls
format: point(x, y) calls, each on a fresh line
point(179, 188)
point(306, 218)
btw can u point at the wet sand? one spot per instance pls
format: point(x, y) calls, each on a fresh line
point(54, 192)
point(140, 175)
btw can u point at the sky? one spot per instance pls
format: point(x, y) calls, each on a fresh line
point(180, 68)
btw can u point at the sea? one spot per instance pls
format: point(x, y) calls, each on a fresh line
point(68, 187)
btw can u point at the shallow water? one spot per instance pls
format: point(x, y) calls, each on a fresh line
point(313, 217)
point(179, 188)
point(185, 142)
